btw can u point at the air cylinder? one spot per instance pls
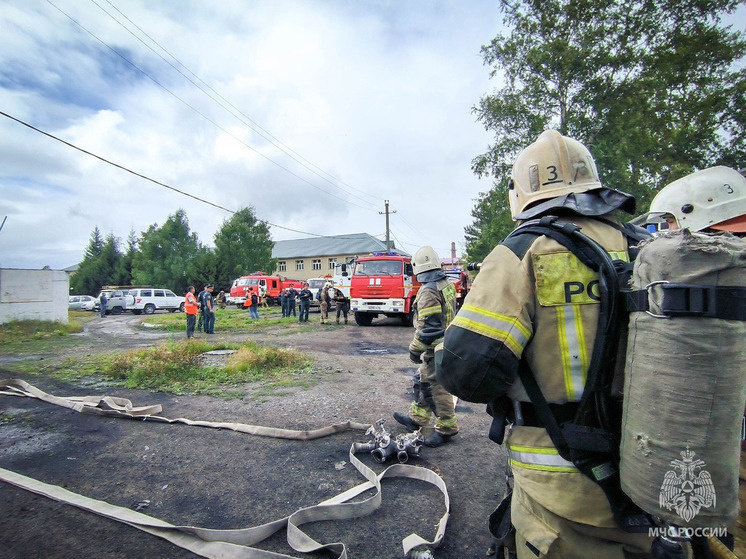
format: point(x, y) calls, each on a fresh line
point(685, 386)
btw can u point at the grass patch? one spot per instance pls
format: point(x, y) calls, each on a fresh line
point(30, 336)
point(228, 319)
point(180, 367)
point(36, 330)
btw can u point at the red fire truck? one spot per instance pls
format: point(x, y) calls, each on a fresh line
point(255, 282)
point(383, 283)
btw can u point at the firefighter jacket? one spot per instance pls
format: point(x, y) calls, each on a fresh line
point(533, 300)
point(435, 306)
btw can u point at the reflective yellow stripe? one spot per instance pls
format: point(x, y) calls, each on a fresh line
point(419, 345)
point(539, 458)
point(445, 423)
point(417, 411)
point(573, 350)
point(494, 325)
point(427, 311)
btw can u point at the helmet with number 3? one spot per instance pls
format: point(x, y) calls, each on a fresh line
point(557, 168)
point(713, 198)
point(425, 259)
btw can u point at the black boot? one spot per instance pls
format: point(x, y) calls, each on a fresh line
point(437, 439)
point(407, 421)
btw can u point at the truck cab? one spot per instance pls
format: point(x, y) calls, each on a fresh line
point(383, 283)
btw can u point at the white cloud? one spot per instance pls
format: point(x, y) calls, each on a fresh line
point(375, 94)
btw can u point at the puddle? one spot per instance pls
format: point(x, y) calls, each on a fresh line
point(367, 348)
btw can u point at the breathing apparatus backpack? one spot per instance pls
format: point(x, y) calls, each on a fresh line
point(679, 399)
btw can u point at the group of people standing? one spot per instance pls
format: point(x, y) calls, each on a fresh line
point(200, 309)
point(202, 304)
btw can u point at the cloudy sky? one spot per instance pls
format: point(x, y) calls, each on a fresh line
point(313, 112)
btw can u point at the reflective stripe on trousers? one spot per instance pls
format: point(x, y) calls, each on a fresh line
point(538, 458)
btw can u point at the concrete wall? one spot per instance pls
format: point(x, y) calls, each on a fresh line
point(33, 295)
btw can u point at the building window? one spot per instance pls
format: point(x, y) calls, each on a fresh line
point(332, 263)
point(298, 265)
point(317, 264)
point(281, 267)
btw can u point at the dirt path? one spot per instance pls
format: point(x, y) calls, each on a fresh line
point(223, 479)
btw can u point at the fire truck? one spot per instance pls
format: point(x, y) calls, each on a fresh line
point(383, 283)
point(255, 282)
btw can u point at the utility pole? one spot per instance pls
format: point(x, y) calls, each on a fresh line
point(388, 245)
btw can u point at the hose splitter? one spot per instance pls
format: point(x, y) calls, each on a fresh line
point(382, 446)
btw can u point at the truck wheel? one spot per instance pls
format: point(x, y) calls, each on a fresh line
point(363, 319)
point(149, 308)
point(407, 319)
point(116, 310)
point(181, 307)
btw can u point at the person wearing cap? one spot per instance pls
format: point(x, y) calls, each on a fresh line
point(710, 200)
point(201, 317)
point(208, 309)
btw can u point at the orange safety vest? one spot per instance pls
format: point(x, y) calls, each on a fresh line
point(190, 303)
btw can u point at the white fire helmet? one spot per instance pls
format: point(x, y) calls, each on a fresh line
point(554, 165)
point(328, 284)
point(425, 259)
point(713, 198)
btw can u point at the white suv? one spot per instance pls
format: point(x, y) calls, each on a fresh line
point(148, 300)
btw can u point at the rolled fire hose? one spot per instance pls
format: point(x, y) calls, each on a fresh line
point(231, 544)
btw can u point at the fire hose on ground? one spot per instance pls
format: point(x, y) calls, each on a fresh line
point(229, 544)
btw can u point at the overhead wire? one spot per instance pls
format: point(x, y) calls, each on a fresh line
point(256, 126)
point(202, 114)
point(159, 183)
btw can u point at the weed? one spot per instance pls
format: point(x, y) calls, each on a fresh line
point(177, 366)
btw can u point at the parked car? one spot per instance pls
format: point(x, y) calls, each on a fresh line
point(80, 303)
point(149, 300)
point(118, 301)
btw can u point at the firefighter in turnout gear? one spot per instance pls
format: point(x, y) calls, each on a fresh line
point(435, 308)
point(533, 310)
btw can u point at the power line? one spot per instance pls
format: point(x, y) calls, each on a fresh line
point(123, 168)
point(200, 113)
point(256, 126)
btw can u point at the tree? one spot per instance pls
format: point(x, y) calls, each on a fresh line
point(491, 220)
point(125, 267)
point(98, 266)
point(166, 253)
point(649, 87)
point(243, 245)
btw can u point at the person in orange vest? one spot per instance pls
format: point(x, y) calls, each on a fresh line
point(190, 308)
